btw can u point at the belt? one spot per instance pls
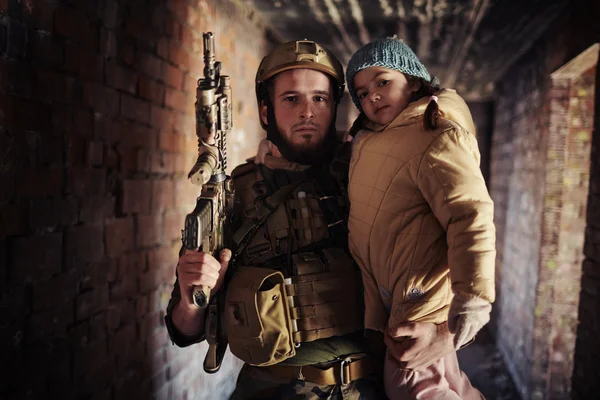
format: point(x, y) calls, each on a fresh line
point(342, 373)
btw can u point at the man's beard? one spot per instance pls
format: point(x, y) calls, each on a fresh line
point(308, 152)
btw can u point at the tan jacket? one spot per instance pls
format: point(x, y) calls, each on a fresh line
point(421, 219)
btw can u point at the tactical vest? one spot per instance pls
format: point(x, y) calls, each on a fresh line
point(294, 281)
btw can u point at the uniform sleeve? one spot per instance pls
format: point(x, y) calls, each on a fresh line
point(451, 182)
point(176, 337)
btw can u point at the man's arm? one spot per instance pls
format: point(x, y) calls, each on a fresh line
point(184, 320)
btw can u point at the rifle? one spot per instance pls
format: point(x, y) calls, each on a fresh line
point(204, 226)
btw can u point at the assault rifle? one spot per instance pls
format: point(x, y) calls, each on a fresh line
point(204, 226)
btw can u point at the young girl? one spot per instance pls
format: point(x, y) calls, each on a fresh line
point(421, 219)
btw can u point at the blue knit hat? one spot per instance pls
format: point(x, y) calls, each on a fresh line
point(389, 53)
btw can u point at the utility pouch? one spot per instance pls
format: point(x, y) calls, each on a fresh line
point(257, 317)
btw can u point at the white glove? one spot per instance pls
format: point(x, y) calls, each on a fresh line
point(467, 315)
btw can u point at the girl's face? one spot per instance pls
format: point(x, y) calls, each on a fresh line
point(383, 93)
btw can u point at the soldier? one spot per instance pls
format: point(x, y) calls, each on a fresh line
point(293, 303)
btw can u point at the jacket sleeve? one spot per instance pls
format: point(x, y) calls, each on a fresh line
point(176, 337)
point(451, 182)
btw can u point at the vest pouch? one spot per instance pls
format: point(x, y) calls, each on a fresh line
point(257, 317)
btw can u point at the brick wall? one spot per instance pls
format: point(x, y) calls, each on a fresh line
point(531, 316)
point(96, 137)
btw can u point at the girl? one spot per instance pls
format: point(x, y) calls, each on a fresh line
point(421, 219)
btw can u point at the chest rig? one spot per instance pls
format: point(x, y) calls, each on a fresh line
point(291, 251)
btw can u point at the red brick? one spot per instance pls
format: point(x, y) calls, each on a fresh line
point(189, 83)
point(75, 155)
point(128, 160)
point(149, 230)
point(108, 44)
point(95, 153)
point(51, 86)
point(40, 182)
point(83, 123)
point(35, 257)
point(163, 195)
point(101, 99)
point(124, 288)
point(172, 75)
point(173, 28)
point(135, 109)
point(162, 118)
point(61, 117)
point(72, 61)
point(94, 275)
point(162, 259)
point(52, 212)
point(179, 57)
point(84, 244)
point(53, 292)
point(73, 24)
point(144, 160)
point(162, 48)
point(85, 182)
point(110, 16)
point(120, 78)
point(50, 151)
point(111, 159)
point(136, 196)
point(13, 219)
point(90, 357)
point(49, 323)
point(97, 328)
point(90, 303)
point(120, 341)
point(91, 66)
point(126, 51)
point(132, 264)
point(141, 306)
point(152, 91)
point(177, 100)
point(133, 134)
point(44, 50)
point(173, 225)
point(119, 236)
point(188, 38)
point(119, 314)
point(148, 64)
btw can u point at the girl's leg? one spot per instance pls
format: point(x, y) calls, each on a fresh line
point(426, 384)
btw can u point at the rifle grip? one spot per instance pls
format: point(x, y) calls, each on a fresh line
point(210, 362)
point(201, 295)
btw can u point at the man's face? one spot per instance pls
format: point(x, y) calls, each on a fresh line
point(383, 93)
point(303, 106)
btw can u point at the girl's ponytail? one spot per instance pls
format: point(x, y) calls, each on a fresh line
point(432, 112)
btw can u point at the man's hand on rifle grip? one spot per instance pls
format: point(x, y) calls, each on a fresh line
point(198, 268)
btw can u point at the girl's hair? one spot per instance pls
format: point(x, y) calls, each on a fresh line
point(428, 88)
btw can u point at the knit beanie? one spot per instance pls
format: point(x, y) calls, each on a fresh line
point(389, 53)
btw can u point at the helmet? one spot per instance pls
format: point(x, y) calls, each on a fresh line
point(299, 54)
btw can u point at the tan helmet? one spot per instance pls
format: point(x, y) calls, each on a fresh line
point(299, 54)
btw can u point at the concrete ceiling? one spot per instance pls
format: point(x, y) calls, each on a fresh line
point(467, 44)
